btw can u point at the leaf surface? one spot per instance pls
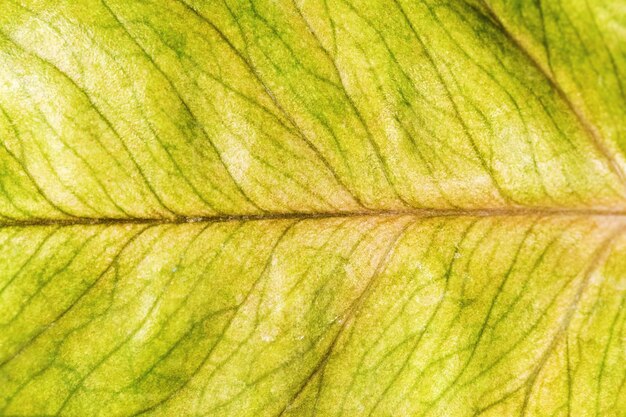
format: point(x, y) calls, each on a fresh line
point(312, 208)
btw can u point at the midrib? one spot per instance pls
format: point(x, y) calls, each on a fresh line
point(417, 213)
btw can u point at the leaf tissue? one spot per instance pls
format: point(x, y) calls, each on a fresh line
point(312, 208)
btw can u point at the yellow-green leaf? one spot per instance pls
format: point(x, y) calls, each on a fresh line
point(312, 208)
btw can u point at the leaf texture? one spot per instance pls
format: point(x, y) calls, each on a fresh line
point(312, 208)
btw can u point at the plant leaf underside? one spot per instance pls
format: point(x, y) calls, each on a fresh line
point(312, 208)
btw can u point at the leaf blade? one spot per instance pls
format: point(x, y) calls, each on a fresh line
point(311, 208)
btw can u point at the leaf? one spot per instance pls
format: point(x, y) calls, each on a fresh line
point(312, 208)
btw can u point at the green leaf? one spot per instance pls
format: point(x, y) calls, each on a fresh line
point(312, 208)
